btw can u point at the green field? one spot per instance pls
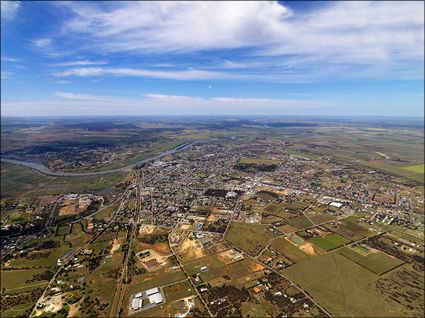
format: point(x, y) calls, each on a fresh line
point(107, 212)
point(251, 238)
point(415, 168)
point(49, 261)
point(414, 172)
point(342, 287)
point(77, 237)
point(19, 310)
point(14, 280)
point(289, 250)
point(299, 222)
point(350, 229)
point(272, 208)
point(178, 291)
point(329, 242)
point(377, 262)
point(18, 180)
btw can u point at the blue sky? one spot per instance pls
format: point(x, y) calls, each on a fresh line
point(212, 58)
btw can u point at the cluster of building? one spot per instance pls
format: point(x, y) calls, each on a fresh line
point(146, 299)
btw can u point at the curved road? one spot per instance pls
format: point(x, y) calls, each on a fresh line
point(43, 169)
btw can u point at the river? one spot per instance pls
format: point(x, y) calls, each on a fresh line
point(43, 169)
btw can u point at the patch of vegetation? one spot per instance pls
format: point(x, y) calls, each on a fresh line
point(339, 285)
point(251, 238)
point(329, 242)
point(377, 262)
point(289, 250)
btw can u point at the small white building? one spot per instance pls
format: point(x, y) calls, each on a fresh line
point(151, 291)
point(135, 304)
point(336, 204)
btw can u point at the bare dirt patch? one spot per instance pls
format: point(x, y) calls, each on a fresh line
point(287, 229)
point(146, 229)
point(48, 199)
point(68, 210)
point(256, 267)
point(308, 248)
point(230, 256)
point(162, 248)
point(115, 246)
point(190, 250)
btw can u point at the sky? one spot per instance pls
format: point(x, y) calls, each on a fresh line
point(212, 58)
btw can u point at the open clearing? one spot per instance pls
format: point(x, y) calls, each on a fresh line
point(376, 261)
point(328, 242)
point(15, 280)
point(415, 168)
point(341, 286)
point(288, 249)
point(251, 238)
point(414, 172)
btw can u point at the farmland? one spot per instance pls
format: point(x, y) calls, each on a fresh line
point(341, 286)
point(252, 221)
point(329, 242)
point(289, 250)
point(377, 261)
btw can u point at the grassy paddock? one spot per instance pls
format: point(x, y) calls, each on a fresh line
point(377, 262)
point(341, 286)
point(251, 238)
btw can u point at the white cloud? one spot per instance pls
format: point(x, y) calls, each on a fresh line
point(84, 97)
point(42, 43)
point(165, 26)
point(5, 75)
point(189, 74)
point(81, 63)
point(9, 9)
point(158, 104)
point(9, 59)
point(336, 40)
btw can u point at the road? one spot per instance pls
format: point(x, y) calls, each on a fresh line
point(120, 291)
point(189, 278)
point(76, 252)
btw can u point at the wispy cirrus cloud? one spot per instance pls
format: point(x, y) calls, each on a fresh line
point(82, 97)
point(387, 33)
point(158, 104)
point(9, 59)
point(42, 42)
point(9, 9)
point(5, 75)
point(189, 74)
point(81, 63)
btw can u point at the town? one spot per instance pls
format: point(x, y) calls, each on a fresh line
point(219, 229)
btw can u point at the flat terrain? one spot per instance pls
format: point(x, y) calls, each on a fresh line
point(251, 238)
point(215, 225)
point(329, 242)
point(342, 286)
